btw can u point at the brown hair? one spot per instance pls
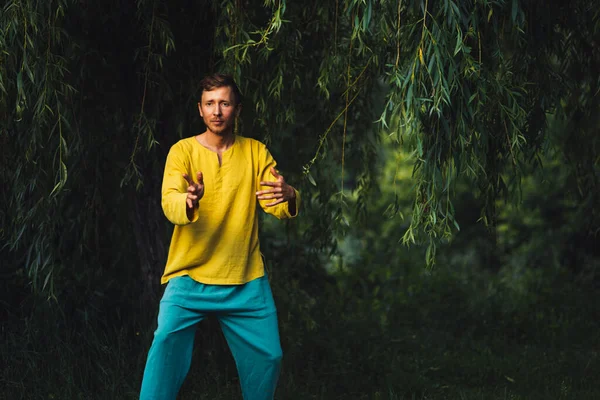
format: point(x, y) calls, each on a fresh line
point(214, 81)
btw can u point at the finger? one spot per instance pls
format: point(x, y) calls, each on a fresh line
point(265, 183)
point(200, 178)
point(274, 203)
point(188, 179)
point(275, 189)
point(189, 203)
point(192, 189)
point(270, 196)
point(275, 174)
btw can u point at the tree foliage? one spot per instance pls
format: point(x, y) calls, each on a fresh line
point(93, 94)
point(468, 87)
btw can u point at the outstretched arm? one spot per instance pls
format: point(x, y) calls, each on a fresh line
point(180, 195)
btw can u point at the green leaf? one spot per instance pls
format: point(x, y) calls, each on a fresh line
point(47, 279)
point(419, 147)
point(409, 96)
point(458, 44)
point(311, 179)
point(514, 9)
point(29, 73)
point(20, 93)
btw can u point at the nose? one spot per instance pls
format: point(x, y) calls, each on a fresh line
point(217, 109)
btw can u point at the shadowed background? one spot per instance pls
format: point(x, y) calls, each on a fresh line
point(447, 155)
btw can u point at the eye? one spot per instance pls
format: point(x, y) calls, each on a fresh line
point(208, 104)
point(225, 104)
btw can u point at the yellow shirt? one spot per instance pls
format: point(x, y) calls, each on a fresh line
point(220, 245)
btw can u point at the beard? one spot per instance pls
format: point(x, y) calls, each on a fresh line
point(223, 128)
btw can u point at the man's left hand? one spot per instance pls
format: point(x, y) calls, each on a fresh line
point(279, 190)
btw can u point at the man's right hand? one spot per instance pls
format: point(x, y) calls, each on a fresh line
point(195, 191)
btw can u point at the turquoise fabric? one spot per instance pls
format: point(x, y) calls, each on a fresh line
point(248, 319)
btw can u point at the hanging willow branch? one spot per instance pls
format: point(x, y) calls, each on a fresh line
point(274, 25)
point(160, 44)
point(35, 128)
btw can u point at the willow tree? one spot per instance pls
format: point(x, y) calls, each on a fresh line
point(468, 88)
point(94, 94)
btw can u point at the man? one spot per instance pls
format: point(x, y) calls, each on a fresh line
point(214, 263)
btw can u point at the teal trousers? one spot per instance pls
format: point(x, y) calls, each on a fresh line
point(248, 318)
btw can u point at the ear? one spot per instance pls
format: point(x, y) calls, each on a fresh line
point(200, 109)
point(238, 110)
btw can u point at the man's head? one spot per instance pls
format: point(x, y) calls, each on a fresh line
point(220, 103)
point(214, 81)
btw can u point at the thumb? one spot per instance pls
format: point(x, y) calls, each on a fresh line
point(274, 173)
point(200, 178)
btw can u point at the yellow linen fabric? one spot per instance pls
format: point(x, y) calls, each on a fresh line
point(220, 245)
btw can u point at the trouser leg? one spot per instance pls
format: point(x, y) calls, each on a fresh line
point(170, 355)
point(253, 337)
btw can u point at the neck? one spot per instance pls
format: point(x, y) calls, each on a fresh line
point(215, 141)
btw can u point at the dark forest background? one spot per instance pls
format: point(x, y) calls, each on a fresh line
point(447, 153)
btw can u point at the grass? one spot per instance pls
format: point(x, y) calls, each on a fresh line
point(460, 335)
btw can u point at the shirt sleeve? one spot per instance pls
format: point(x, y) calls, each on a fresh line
point(174, 188)
point(281, 210)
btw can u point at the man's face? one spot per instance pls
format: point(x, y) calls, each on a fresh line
point(218, 110)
